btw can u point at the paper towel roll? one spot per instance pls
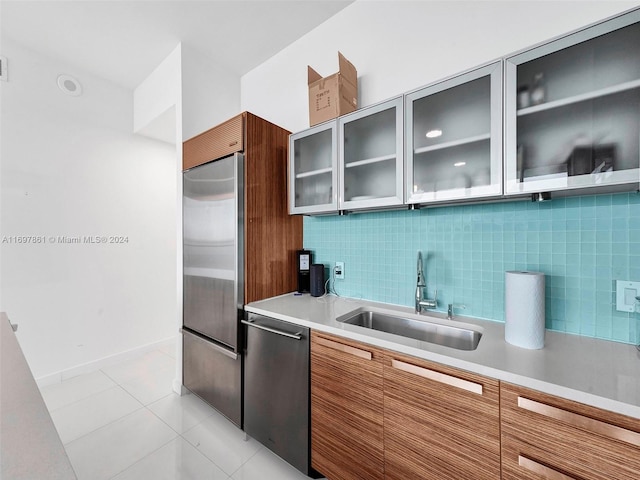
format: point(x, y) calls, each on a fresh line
point(524, 313)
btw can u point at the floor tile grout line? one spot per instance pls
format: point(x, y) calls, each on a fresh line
point(165, 353)
point(182, 437)
point(196, 425)
point(136, 377)
point(141, 405)
point(159, 417)
point(84, 398)
point(210, 459)
point(136, 359)
point(103, 426)
point(180, 396)
point(140, 459)
point(159, 399)
point(110, 377)
point(101, 392)
point(260, 448)
point(202, 453)
point(114, 421)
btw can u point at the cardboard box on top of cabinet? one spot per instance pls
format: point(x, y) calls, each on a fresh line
point(332, 96)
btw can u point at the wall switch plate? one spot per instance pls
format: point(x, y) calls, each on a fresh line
point(339, 271)
point(626, 293)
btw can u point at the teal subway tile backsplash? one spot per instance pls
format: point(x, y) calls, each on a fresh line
point(582, 244)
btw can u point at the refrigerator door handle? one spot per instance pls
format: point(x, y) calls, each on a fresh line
point(295, 336)
point(210, 344)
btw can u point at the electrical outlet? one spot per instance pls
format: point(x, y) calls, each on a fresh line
point(626, 293)
point(339, 270)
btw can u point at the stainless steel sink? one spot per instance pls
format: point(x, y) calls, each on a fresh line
point(449, 336)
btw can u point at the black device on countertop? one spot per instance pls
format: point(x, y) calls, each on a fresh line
point(317, 280)
point(304, 269)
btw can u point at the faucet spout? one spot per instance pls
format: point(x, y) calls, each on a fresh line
point(421, 284)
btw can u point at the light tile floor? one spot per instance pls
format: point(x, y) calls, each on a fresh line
point(124, 422)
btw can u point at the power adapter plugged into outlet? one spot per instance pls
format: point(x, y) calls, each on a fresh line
point(338, 271)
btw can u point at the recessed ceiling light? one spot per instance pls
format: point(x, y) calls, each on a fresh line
point(434, 133)
point(69, 85)
point(459, 164)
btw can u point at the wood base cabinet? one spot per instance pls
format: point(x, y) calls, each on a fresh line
point(346, 409)
point(380, 415)
point(546, 437)
point(439, 422)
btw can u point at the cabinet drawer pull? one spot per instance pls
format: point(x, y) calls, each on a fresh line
point(580, 421)
point(235, 142)
point(209, 344)
point(438, 377)
point(540, 469)
point(345, 348)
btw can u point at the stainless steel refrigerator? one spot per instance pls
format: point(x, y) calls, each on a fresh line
point(213, 281)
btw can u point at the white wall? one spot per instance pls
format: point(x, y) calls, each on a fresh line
point(157, 113)
point(200, 95)
point(71, 166)
point(398, 46)
point(210, 93)
point(158, 98)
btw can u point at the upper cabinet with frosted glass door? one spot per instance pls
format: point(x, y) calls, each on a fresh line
point(313, 169)
point(371, 157)
point(572, 111)
point(454, 138)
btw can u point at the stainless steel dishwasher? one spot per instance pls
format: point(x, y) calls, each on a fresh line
point(276, 388)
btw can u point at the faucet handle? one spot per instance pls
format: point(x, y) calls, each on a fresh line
point(450, 308)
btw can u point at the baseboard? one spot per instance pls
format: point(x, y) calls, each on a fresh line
point(101, 363)
point(179, 388)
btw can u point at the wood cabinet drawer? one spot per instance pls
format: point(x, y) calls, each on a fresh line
point(220, 141)
point(346, 409)
point(439, 422)
point(544, 436)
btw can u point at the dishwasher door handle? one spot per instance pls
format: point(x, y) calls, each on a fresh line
point(295, 336)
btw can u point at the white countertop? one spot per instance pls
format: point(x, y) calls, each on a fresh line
point(30, 448)
point(596, 372)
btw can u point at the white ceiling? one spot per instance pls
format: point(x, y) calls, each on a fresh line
point(124, 40)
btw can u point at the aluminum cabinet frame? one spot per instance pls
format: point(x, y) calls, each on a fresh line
point(619, 180)
point(494, 189)
point(397, 198)
point(330, 206)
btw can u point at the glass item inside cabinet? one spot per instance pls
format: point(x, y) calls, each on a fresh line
point(582, 125)
point(313, 169)
point(451, 138)
point(370, 156)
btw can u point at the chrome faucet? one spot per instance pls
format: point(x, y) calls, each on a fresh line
point(451, 307)
point(421, 302)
